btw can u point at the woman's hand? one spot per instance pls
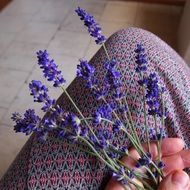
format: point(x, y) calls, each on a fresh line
point(175, 159)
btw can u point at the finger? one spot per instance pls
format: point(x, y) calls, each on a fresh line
point(172, 163)
point(167, 147)
point(113, 184)
point(177, 180)
point(130, 161)
point(185, 155)
point(177, 161)
point(172, 146)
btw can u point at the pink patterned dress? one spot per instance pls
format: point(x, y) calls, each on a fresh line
point(56, 164)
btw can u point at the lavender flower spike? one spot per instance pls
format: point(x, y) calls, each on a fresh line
point(152, 94)
point(28, 124)
point(86, 71)
point(39, 91)
point(50, 69)
point(93, 27)
point(40, 94)
point(141, 59)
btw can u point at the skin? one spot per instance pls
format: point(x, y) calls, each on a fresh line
point(175, 159)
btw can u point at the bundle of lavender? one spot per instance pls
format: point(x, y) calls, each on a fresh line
point(148, 172)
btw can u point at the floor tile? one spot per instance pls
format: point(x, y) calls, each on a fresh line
point(12, 24)
point(11, 82)
point(53, 11)
point(18, 62)
point(69, 43)
point(2, 113)
point(73, 23)
point(24, 48)
point(23, 7)
point(108, 28)
point(68, 66)
point(91, 50)
point(24, 101)
point(96, 8)
point(120, 11)
point(21, 103)
point(5, 41)
point(38, 32)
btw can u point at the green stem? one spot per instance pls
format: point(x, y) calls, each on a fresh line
point(83, 118)
point(158, 142)
point(97, 154)
point(145, 118)
point(104, 46)
point(65, 91)
point(140, 149)
point(132, 124)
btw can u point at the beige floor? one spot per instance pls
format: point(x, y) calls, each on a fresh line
point(29, 25)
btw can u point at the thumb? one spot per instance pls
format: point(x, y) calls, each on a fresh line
point(177, 180)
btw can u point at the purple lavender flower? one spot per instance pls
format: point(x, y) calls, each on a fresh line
point(121, 173)
point(97, 118)
point(107, 134)
point(50, 69)
point(118, 95)
point(102, 144)
point(93, 27)
point(48, 104)
point(125, 149)
point(74, 120)
point(161, 165)
point(49, 124)
point(75, 124)
point(113, 79)
point(156, 136)
point(144, 160)
point(152, 94)
point(105, 111)
point(141, 58)
point(100, 93)
point(140, 49)
point(110, 64)
point(85, 70)
point(84, 132)
point(123, 109)
point(39, 92)
point(118, 125)
point(28, 124)
point(113, 155)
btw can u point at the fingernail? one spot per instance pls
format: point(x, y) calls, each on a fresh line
point(181, 178)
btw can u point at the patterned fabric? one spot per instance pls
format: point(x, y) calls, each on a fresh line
point(56, 164)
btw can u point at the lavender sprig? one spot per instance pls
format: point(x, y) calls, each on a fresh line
point(94, 28)
point(28, 124)
point(40, 94)
point(50, 69)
